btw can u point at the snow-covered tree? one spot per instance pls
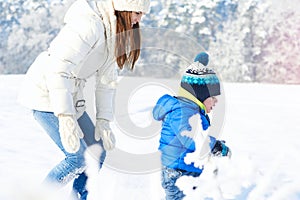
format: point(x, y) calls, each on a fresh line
point(281, 60)
point(186, 27)
point(257, 45)
point(34, 25)
point(237, 48)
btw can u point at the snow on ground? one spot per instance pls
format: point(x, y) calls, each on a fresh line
point(261, 127)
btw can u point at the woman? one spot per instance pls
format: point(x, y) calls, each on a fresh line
point(98, 38)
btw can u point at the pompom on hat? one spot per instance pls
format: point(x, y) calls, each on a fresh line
point(202, 58)
point(132, 5)
point(200, 81)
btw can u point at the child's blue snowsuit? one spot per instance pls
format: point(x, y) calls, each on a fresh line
point(175, 112)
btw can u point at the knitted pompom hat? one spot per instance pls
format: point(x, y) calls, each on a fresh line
point(199, 80)
point(132, 5)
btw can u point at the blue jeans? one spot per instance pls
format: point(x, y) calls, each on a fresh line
point(73, 166)
point(168, 180)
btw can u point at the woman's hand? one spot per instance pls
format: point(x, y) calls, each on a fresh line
point(104, 132)
point(70, 133)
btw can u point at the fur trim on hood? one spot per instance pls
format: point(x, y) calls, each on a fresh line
point(107, 13)
point(102, 9)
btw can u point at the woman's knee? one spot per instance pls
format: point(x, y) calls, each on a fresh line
point(76, 160)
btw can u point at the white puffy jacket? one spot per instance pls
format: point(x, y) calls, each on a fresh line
point(55, 81)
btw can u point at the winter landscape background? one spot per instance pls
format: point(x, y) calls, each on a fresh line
point(252, 44)
point(249, 41)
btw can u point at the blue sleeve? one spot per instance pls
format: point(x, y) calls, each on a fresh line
point(212, 142)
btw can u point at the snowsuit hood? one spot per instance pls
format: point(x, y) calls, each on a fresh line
point(164, 105)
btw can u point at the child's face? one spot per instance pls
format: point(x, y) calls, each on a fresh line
point(209, 103)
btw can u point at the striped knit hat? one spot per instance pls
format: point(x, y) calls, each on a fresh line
point(199, 80)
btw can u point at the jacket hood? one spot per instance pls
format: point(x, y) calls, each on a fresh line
point(164, 105)
point(102, 10)
point(79, 9)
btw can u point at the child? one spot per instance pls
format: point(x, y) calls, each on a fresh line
point(197, 95)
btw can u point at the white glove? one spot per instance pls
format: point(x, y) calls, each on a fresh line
point(103, 131)
point(70, 133)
